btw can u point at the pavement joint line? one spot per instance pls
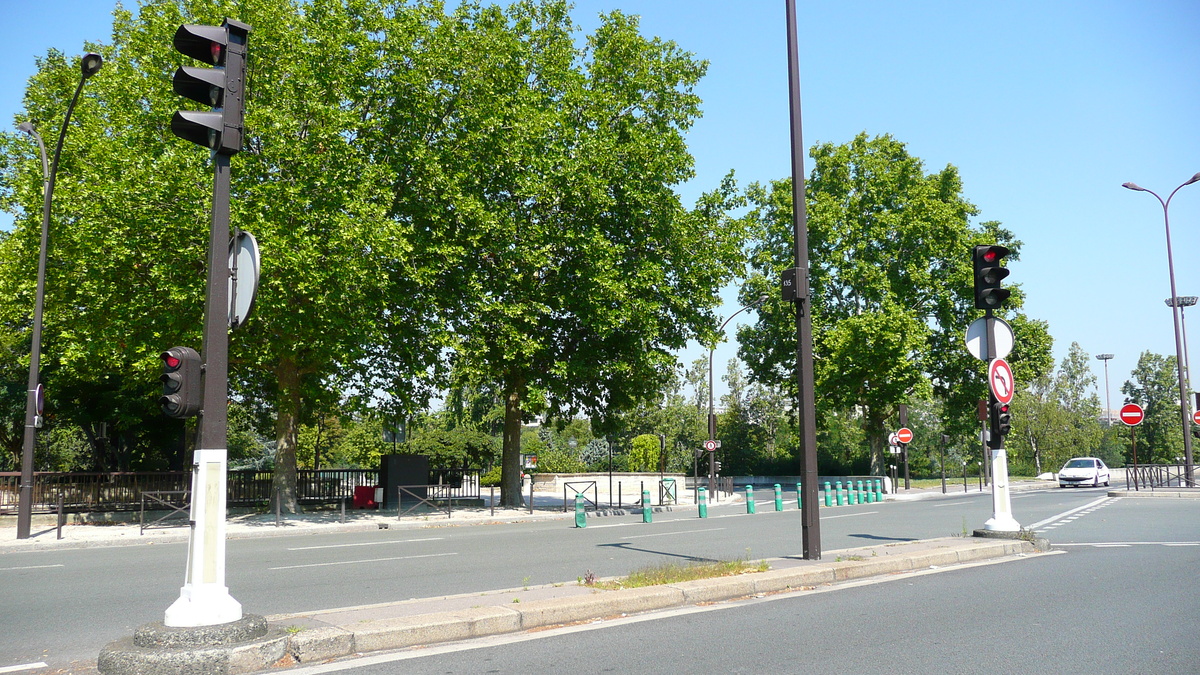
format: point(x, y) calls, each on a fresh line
point(357, 562)
point(365, 543)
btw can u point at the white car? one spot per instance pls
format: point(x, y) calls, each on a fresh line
point(1083, 471)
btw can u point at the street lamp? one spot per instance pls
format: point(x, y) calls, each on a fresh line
point(1175, 310)
point(1107, 400)
point(88, 66)
point(712, 418)
point(1182, 301)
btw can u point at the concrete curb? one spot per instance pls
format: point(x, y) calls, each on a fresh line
point(315, 637)
point(1182, 493)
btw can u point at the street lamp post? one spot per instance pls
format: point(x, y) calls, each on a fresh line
point(1182, 301)
point(1107, 401)
point(1175, 310)
point(712, 418)
point(89, 65)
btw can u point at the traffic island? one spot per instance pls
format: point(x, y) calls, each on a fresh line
point(246, 645)
point(1040, 544)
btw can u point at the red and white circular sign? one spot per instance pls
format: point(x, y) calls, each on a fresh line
point(1131, 414)
point(1001, 381)
point(1196, 417)
point(904, 435)
point(710, 445)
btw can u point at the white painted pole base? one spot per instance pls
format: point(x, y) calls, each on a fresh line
point(1002, 519)
point(204, 599)
point(203, 605)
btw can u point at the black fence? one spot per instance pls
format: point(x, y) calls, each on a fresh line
point(1151, 476)
point(122, 491)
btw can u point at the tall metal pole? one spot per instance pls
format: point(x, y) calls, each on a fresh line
point(712, 416)
point(807, 416)
point(89, 65)
point(1107, 401)
point(1183, 402)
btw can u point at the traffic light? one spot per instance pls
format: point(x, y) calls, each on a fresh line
point(221, 87)
point(1001, 422)
point(182, 393)
point(988, 275)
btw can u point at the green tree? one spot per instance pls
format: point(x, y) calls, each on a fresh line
point(644, 455)
point(542, 201)
point(1154, 387)
point(339, 304)
point(890, 282)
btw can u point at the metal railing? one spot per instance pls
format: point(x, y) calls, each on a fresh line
point(122, 491)
point(1154, 476)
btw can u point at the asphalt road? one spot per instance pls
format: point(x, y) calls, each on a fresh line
point(1118, 599)
point(63, 606)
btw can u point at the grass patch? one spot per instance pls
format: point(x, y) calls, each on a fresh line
point(670, 573)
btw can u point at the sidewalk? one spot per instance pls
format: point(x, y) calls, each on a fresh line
point(547, 506)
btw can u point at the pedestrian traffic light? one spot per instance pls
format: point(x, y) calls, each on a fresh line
point(988, 275)
point(182, 393)
point(221, 87)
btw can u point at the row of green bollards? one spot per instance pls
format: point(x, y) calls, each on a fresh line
point(854, 493)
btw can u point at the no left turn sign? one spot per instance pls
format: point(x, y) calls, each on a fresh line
point(1000, 379)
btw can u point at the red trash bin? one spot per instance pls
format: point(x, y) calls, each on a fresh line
point(364, 497)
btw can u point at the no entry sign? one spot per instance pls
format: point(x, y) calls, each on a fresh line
point(904, 435)
point(1196, 417)
point(1131, 414)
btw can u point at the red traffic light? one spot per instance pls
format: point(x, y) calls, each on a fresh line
point(182, 393)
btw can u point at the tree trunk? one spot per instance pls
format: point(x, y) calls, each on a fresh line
point(287, 426)
point(877, 439)
point(510, 460)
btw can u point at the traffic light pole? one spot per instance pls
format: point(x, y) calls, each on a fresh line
point(1002, 519)
point(204, 599)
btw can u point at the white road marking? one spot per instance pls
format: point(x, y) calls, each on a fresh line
point(31, 567)
point(24, 666)
point(355, 562)
point(1064, 514)
point(367, 543)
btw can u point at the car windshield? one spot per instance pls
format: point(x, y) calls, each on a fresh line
point(1081, 464)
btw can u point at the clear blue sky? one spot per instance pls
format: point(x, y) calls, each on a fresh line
point(1046, 108)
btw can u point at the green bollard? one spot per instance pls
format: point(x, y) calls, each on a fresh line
point(828, 495)
point(841, 496)
point(750, 499)
point(703, 505)
point(778, 497)
point(870, 492)
point(862, 494)
point(878, 490)
point(647, 514)
point(852, 496)
point(799, 497)
point(580, 514)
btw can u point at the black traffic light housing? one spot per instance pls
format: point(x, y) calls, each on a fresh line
point(989, 273)
point(1000, 422)
point(182, 392)
point(221, 87)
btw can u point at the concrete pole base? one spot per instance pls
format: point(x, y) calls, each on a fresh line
point(240, 646)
